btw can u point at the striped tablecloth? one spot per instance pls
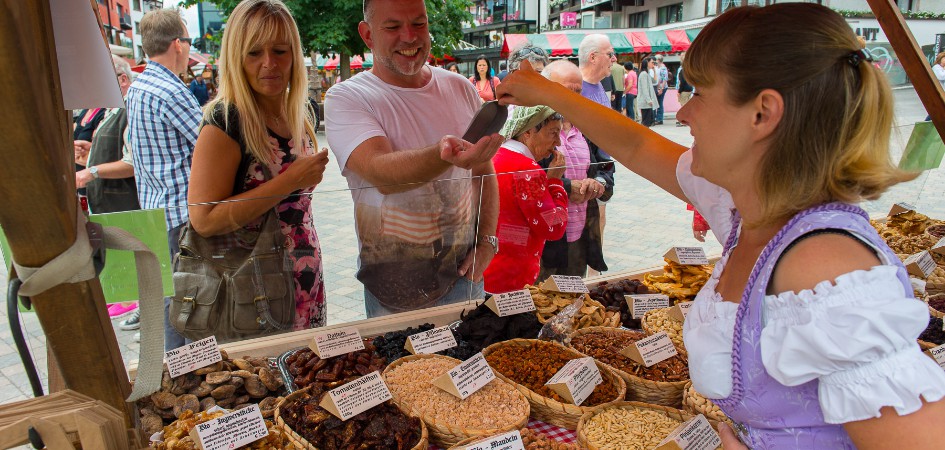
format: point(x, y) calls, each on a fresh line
point(552, 431)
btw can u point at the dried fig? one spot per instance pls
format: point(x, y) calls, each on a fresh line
point(186, 402)
point(163, 400)
point(270, 379)
point(243, 364)
point(242, 373)
point(218, 377)
point(237, 381)
point(203, 390)
point(215, 367)
point(151, 423)
point(241, 399)
point(255, 387)
point(167, 413)
point(257, 361)
point(166, 381)
point(226, 390)
point(226, 402)
point(268, 406)
point(224, 355)
point(241, 406)
point(207, 403)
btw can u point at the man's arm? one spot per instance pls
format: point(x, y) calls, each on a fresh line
point(479, 257)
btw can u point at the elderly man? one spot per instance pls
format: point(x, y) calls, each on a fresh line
point(393, 132)
point(588, 176)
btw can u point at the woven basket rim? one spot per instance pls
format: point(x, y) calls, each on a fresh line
point(303, 444)
point(658, 384)
point(683, 415)
point(926, 345)
point(607, 372)
point(440, 427)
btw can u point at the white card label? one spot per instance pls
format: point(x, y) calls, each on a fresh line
point(232, 430)
point(901, 207)
point(338, 342)
point(565, 283)
point(939, 247)
point(355, 397)
point(680, 311)
point(641, 303)
point(938, 354)
point(920, 264)
point(651, 349)
point(576, 380)
point(193, 356)
point(432, 341)
point(509, 303)
point(696, 434)
point(466, 378)
point(508, 441)
point(688, 256)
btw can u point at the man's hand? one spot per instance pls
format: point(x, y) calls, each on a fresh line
point(81, 149)
point(481, 256)
point(82, 178)
point(465, 155)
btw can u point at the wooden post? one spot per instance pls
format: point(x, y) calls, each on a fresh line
point(37, 185)
point(913, 60)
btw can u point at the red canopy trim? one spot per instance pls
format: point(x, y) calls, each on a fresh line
point(678, 39)
point(511, 42)
point(560, 45)
point(639, 41)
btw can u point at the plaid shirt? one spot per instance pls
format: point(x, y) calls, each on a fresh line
point(163, 119)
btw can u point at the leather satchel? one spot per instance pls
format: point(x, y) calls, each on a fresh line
point(234, 286)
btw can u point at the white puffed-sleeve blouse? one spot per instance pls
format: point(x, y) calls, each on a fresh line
point(856, 335)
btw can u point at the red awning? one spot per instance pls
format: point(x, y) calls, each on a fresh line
point(356, 63)
point(678, 39)
point(512, 41)
point(560, 45)
point(638, 41)
point(198, 58)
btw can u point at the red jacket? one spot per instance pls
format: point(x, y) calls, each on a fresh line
point(532, 209)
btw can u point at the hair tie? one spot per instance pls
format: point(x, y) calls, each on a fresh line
point(856, 56)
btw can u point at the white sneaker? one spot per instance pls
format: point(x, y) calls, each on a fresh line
point(136, 337)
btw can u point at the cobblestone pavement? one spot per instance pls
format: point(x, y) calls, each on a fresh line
point(642, 223)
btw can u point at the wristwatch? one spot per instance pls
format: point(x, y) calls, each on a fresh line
point(94, 172)
point(494, 241)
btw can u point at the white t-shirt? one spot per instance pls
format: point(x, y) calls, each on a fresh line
point(411, 242)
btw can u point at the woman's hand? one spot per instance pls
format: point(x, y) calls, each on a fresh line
point(557, 166)
point(525, 87)
point(730, 441)
point(307, 170)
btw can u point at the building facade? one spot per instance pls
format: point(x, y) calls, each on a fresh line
point(116, 21)
point(138, 10)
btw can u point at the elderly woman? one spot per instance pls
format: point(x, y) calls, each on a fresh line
point(805, 335)
point(533, 205)
point(536, 56)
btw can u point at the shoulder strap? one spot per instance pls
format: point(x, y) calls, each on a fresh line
point(493, 87)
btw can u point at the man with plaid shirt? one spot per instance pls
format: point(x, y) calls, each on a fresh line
point(163, 118)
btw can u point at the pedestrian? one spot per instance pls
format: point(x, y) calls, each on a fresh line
point(260, 124)
point(163, 119)
point(805, 336)
point(938, 68)
point(682, 86)
point(588, 176)
point(452, 67)
point(392, 130)
point(646, 98)
point(483, 80)
point(503, 70)
point(630, 90)
point(198, 87)
point(533, 205)
point(530, 52)
point(661, 84)
point(617, 73)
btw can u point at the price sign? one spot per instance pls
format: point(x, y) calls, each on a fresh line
point(238, 428)
point(357, 396)
point(687, 256)
point(337, 342)
point(938, 354)
point(565, 283)
point(466, 378)
point(680, 311)
point(576, 380)
point(939, 247)
point(508, 441)
point(920, 264)
point(509, 303)
point(695, 434)
point(432, 341)
point(651, 349)
point(641, 303)
point(193, 356)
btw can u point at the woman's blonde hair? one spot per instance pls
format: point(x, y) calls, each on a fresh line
point(254, 22)
point(832, 143)
point(938, 57)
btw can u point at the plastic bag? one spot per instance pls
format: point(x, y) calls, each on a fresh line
point(560, 327)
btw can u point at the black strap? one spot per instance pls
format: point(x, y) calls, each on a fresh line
point(838, 231)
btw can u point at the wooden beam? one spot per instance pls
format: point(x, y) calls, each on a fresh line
point(37, 185)
point(912, 59)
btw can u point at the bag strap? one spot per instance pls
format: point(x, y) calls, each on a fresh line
point(493, 88)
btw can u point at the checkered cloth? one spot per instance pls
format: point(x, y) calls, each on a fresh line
point(552, 431)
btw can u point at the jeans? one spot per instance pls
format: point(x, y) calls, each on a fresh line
point(172, 339)
point(617, 102)
point(659, 111)
point(631, 101)
point(647, 119)
point(462, 291)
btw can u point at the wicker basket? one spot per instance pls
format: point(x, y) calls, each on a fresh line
point(672, 413)
point(444, 433)
point(302, 444)
point(690, 400)
point(651, 331)
point(461, 445)
point(925, 345)
point(664, 393)
point(551, 411)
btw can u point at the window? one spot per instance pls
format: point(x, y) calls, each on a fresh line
point(638, 20)
point(137, 27)
point(669, 14)
point(713, 7)
point(906, 5)
point(121, 11)
point(136, 5)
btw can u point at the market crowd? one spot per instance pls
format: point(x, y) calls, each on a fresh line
point(441, 220)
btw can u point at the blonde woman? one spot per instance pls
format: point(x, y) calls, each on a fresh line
point(259, 119)
point(806, 333)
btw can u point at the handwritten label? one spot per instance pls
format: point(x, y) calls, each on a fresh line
point(508, 441)
point(355, 397)
point(338, 342)
point(939, 247)
point(938, 354)
point(193, 356)
point(565, 283)
point(576, 381)
point(432, 341)
point(920, 264)
point(641, 303)
point(466, 378)
point(687, 256)
point(232, 430)
point(900, 208)
point(679, 311)
point(509, 303)
point(695, 434)
point(651, 349)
